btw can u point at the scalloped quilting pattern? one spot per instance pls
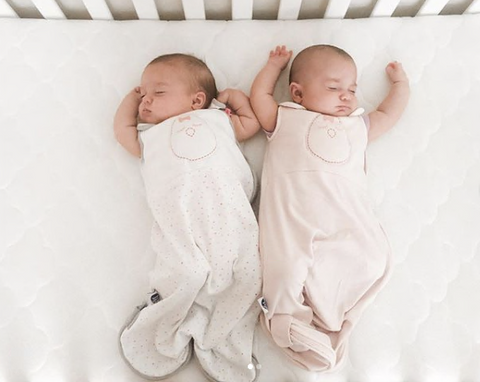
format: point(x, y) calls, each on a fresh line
point(75, 227)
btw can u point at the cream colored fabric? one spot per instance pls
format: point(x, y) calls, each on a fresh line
point(205, 235)
point(324, 254)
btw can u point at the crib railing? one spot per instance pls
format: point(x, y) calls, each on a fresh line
point(231, 9)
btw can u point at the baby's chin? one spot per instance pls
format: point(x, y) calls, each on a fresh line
point(344, 112)
point(150, 120)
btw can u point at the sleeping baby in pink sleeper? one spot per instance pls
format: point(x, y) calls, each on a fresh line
point(324, 253)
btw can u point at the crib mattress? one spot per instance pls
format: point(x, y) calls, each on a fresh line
point(74, 223)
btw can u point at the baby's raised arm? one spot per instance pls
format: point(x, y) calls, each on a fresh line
point(261, 94)
point(125, 122)
point(243, 118)
point(392, 107)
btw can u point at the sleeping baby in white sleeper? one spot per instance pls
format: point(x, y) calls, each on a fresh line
point(199, 186)
point(324, 253)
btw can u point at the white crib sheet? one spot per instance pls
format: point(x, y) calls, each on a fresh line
point(74, 224)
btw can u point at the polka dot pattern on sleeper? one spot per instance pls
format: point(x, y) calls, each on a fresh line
point(207, 271)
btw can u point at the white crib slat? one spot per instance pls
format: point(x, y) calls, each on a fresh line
point(6, 10)
point(194, 9)
point(384, 8)
point(98, 9)
point(146, 9)
point(474, 7)
point(432, 7)
point(49, 9)
point(336, 9)
point(242, 9)
point(289, 9)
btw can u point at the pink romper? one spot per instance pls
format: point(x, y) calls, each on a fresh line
point(324, 253)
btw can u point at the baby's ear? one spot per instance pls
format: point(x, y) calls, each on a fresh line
point(198, 100)
point(296, 92)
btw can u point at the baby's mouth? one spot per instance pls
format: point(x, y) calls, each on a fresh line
point(343, 108)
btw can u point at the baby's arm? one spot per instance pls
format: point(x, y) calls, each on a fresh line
point(125, 122)
point(392, 107)
point(261, 94)
point(245, 123)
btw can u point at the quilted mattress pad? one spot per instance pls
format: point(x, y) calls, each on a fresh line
point(74, 224)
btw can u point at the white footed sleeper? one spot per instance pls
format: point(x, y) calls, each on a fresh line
point(205, 234)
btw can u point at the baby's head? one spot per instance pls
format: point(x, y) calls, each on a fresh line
point(323, 78)
point(174, 84)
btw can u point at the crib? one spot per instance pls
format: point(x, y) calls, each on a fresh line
point(74, 225)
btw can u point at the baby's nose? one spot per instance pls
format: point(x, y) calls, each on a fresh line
point(147, 98)
point(345, 96)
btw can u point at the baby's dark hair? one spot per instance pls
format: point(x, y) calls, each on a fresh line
point(201, 77)
point(307, 52)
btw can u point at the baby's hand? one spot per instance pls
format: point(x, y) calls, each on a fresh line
point(395, 72)
point(135, 95)
point(280, 57)
point(234, 100)
point(228, 95)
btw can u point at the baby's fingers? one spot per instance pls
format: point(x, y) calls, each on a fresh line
point(394, 67)
point(395, 71)
point(280, 50)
